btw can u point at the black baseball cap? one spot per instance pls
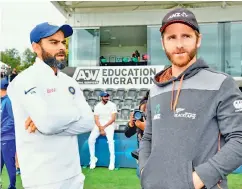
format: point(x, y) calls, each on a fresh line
point(180, 15)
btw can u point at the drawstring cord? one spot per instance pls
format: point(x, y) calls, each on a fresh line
point(173, 106)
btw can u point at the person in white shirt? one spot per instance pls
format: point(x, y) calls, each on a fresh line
point(105, 116)
point(50, 111)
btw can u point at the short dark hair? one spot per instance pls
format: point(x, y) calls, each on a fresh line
point(145, 98)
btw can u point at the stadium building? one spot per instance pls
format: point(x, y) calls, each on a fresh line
point(113, 30)
point(116, 29)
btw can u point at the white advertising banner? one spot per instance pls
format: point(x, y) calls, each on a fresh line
point(116, 76)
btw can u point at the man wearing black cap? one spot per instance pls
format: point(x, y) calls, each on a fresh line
point(50, 111)
point(105, 115)
point(193, 133)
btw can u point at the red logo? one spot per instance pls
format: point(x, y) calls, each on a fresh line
point(51, 90)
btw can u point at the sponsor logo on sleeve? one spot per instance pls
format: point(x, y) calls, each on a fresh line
point(238, 105)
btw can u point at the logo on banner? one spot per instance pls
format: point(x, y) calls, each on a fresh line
point(116, 76)
point(88, 76)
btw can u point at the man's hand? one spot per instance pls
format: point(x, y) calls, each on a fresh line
point(102, 132)
point(198, 183)
point(30, 126)
point(101, 128)
point(138, 123)
point(131, 119)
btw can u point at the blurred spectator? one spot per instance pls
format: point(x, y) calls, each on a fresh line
point(8, 146)
point(136, 125)
point(136, 56)
point(13, 74)
point(2, 75)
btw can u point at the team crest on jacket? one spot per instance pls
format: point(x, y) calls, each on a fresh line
point(157, 112)
point(72, 90)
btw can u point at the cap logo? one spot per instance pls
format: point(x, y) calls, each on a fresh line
point(72, 90)
point(178, 14)
point(52, 24)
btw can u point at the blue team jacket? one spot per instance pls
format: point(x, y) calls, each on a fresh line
point(7, 120)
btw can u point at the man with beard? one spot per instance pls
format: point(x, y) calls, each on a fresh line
point(193, 133)
point(105, 116)
point(49, 111)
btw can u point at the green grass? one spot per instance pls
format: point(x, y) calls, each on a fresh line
point(102, 178)
point(5, 180)
point(235, 181)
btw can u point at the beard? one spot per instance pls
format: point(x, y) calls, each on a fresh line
point(181, 60)
point(51, 60)
point(105, 100)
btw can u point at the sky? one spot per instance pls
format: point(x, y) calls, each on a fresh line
point(18, 18)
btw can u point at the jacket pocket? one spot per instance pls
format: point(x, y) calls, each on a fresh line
point(189, 175)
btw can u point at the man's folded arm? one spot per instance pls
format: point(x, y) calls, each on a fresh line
point(86, 121)
point(49, 117)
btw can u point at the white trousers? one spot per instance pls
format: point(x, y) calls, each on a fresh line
point(76, 182)
point(95, 134)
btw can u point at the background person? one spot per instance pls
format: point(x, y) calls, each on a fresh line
point(105, 115)
point(137, 126)
point(8, 146)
